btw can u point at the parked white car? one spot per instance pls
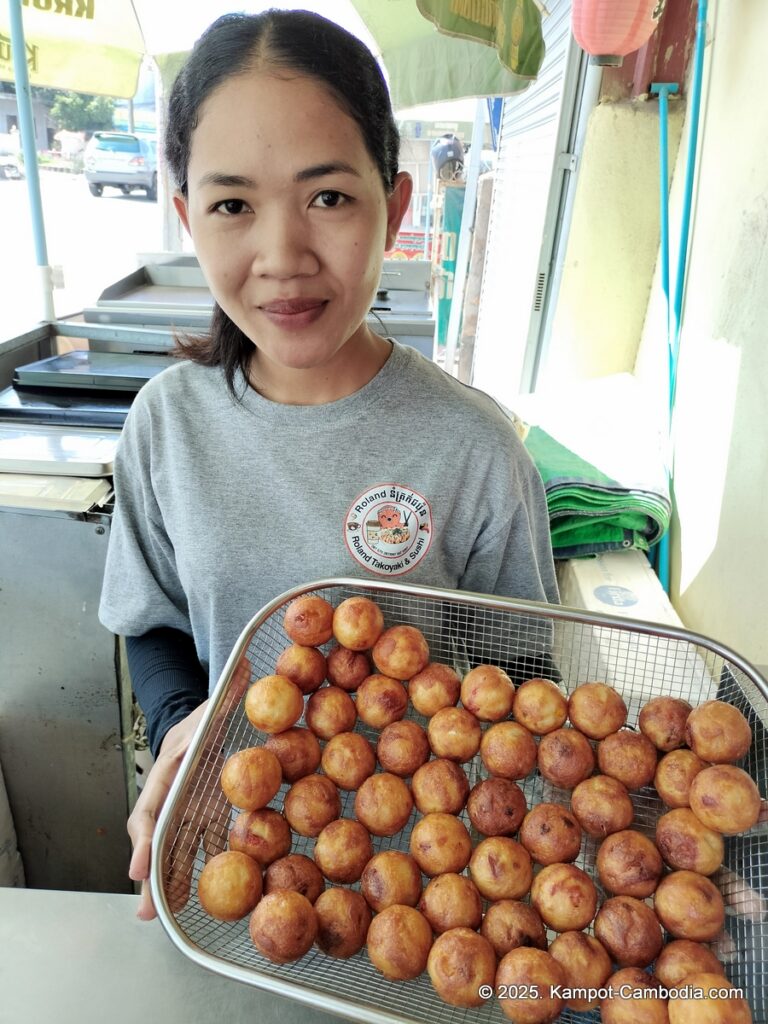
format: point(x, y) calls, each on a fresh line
point(121, 160)
point(10, 163)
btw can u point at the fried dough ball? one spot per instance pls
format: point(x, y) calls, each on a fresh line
point(716, 1006)
point(565, 758)
point(460, 964)
point(358, 623)
point(440, 785)
point(508, 924)
point(383, 804)
point(343, 920)
point(399, 941)
point(263, 835)
point(381, 700)
point(629, 930)
point(726, 799)
point(663, 720)
point(629, 757)
point(585, 964)
point(496, 807)
point(628, 864)
point(400, 652)
point(523, 970)
point(283, 926)
point(342, 850)
point(297, 750)
point(391, 877)
point(682, 957)
point(347, 669)
point(501, 869)
point(597, 710)
point(632, 1001)
point(488, 692)
point(688, 845)
point(454, 733)
point(435, 687)
point(540, 706)
point(451, 901)
point(718, 732)
point(304, 666)
point(250, 778)
point(508, 750)
point(273, 704)
point(229, 886)
point(330, 711)
point(674, 774)
point(403, 747)
point(348, 759)
point(689, 906)
point(551, 834)
point(310, 804)
point(296, 872)
point(602, 805)
point(440, 844)
point(565, 896)
point(309, 621)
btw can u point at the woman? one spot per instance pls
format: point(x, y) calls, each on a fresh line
point(296, 443)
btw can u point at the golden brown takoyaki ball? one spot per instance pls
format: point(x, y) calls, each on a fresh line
point(688, 845)
point(342, 850)
point(718, 732)
point(461, 965)
point(628, 864)
point(496, 807)
point(674, 774)
point(565, 896)
point(663, 720)
point(487, 691)
point(508, 924)
point(440, 844)
point(440, 785)
point(310, 804)
point(383, 804)
point(551, 834)
point(297, 750)
point(273, 704)
point(304, 666)
point(309, 621)
point(400, 652)
point(565, 758)
point(597, 710)
point(602, 805)
point(391, 877)
point(454, 733)
point(451, 901)
point(330, 711)
point(283, 926)
point(689, 906)
point(358, 623)
point(585, 963)
point(629, 930)
point(522, 972)
point(347, 669)
point(250, 778)
point(435, 687)
point(709, 999)
point(403, 747)
point(726, 799)
point(508, 750)
point(633, 999)
point(399, 941)
point(263, 835)
point(229, 886)
point(682, 957)
point(381, 700)
point(540, 706)
point(297, 872)
point(343, 920)
point(348, 759)
point(629, 757)
point(501, 868)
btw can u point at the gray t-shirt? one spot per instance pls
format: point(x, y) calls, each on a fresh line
point(223, 505)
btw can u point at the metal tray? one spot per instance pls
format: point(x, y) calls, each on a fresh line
point(641, 660)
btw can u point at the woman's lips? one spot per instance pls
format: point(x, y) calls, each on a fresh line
point(294, 313)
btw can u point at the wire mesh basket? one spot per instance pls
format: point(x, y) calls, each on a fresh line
point(526, 639)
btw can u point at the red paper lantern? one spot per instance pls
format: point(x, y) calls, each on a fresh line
point(610, 29)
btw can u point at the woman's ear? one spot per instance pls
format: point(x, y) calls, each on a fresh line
point(181, 208)
point(397, 204)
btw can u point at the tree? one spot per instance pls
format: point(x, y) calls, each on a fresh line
point(77, 112)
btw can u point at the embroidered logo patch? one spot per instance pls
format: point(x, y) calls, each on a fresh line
point(388, 529)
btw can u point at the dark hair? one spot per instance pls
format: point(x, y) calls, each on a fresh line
point(297, 41)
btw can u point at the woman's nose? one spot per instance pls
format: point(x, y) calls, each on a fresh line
point(283, 246)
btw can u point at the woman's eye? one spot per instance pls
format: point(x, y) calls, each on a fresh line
point(230, 207)
point(330, 199)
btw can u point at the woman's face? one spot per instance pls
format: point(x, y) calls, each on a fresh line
point(289, 217)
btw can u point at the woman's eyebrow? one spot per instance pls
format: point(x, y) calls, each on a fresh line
point(226, 180)
point(321, 170)
point(221, 179)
